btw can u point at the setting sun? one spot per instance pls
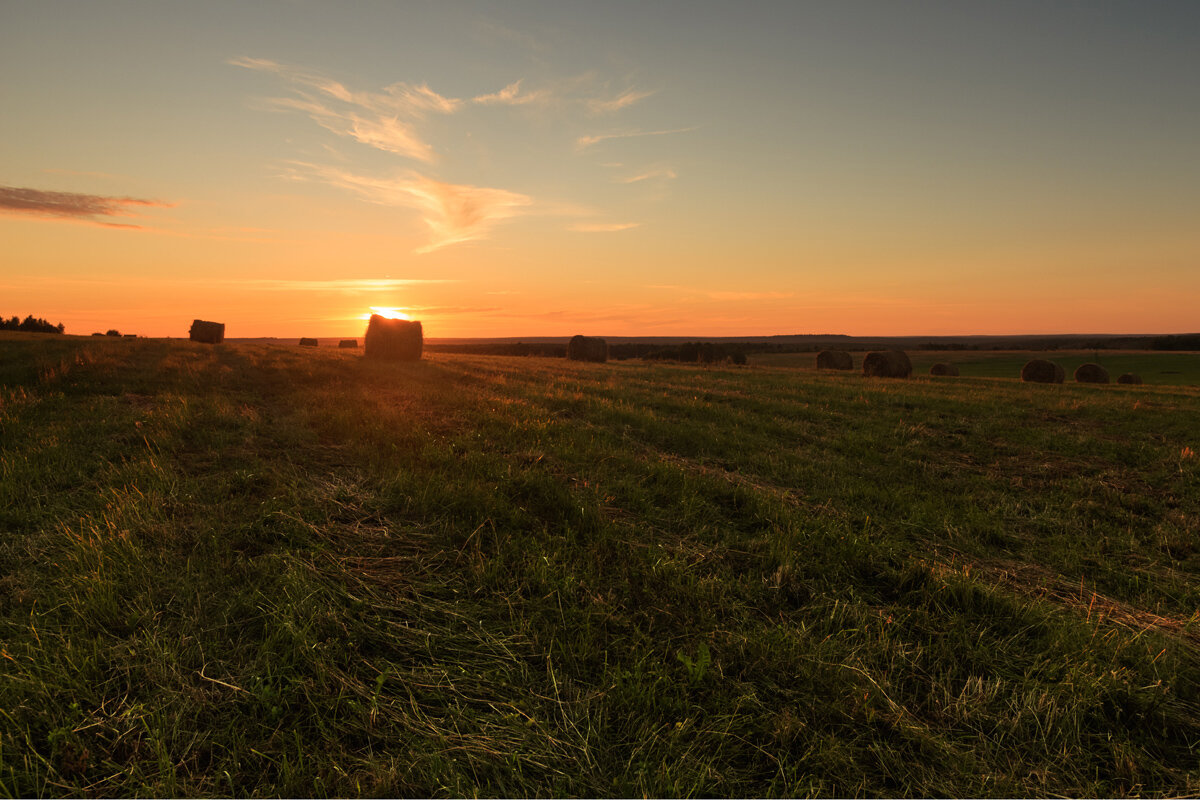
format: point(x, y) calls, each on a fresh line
point(387, 312)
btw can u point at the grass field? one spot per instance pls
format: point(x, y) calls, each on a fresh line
point(1155, 367)
point(265, 570)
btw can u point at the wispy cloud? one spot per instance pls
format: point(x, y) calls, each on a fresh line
point(603, 227)
point(445, 311)
point(384, 120)
point(722, 296)
point(730, 296)
point(347, 285)
point(623, 100)
point(663, 172)
point(583, 142)
point(512, 95)
point(455, 213)
point(72, 206)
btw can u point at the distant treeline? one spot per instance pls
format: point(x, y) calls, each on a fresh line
point(1186, 341)
point(696, 352)
point(30, 323)
point(712, 352)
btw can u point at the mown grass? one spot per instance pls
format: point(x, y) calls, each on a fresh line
point(1160, 368)
point(260, 570)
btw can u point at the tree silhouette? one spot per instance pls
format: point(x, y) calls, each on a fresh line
point(30, 324)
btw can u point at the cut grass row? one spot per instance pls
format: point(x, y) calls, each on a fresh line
point(257, 570)
point(1154, 367)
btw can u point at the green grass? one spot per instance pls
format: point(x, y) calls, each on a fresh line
point(261, 570)
point(1155, 368)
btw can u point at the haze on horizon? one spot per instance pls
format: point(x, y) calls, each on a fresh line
point(550, 168)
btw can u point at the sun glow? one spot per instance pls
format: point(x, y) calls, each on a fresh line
point(384, 311)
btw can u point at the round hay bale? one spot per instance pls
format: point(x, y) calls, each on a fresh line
point(1091, 373)
point(834, 359)
point(306, 342)
point(587, 348)
point(944, 369)
point(1040, 370)
point(348, 343)
point(207, 332)
point(393, 339)
point(1130, 378)
point(887, 364)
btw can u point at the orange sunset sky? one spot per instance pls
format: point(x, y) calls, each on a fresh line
point(614, 168)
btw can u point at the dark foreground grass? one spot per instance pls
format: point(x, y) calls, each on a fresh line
point(256, 570)
point(1156, 368)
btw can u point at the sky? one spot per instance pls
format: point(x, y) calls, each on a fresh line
point(617, 168)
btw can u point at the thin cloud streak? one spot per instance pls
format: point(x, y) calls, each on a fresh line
point(723, 296)
point(584, 142)
point(645, 176)
point(623, 100)
point(455, 213)
point(511, 96)
point(603, 227)
point(72, 205)
point(336, 285)
point(383, 120)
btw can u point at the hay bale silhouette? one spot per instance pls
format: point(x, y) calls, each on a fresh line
point(1040, 370)
point(306, 342)
point(944, 369)
point(207, 332)
point(587, 348)
point(1091, 373)
point(887, 364)
point(348, 343)
point(834, 359)
point(1130, 378)
point(393, 339)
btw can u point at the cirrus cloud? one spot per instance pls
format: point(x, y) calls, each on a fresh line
point(623, 100)
point(454, 213)
point(603, 227)
point(385, 120)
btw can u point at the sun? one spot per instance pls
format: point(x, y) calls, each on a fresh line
point(388, 312)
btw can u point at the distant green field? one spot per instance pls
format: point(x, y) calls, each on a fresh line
point(1156, 368)
point(262, 570)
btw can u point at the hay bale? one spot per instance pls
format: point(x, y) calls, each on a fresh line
point(944, 369)
point(587, 348)
point(1039, 370)
point(1130, 378)
point(834, 359)
point(207, 332)
point(306, 342)
point(393, 339)
point(1091, 373)
point(887, 364)
point(344, 343)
